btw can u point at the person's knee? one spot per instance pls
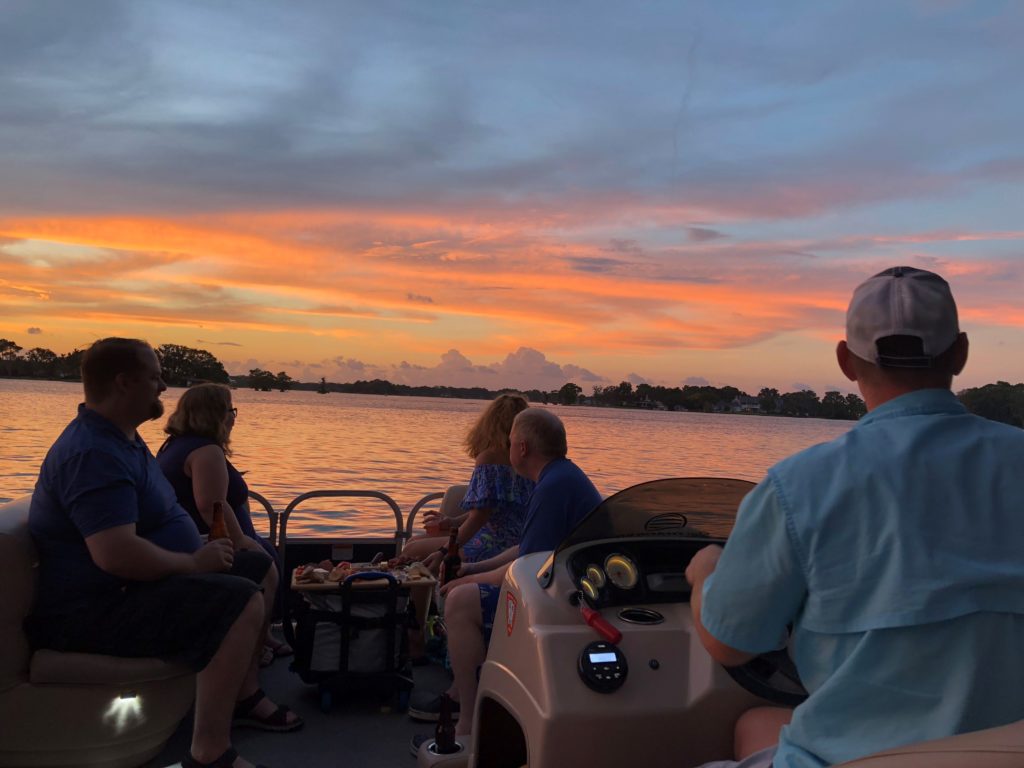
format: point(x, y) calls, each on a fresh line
point(759, 728)
point(462, 604)
point(270, 581)
point(253, 613)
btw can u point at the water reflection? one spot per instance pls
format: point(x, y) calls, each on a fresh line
point(289, 443)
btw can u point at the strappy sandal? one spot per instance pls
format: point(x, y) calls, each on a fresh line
point(277, 721)
point(227, 760)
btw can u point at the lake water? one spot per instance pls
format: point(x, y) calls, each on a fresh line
point(288, 443)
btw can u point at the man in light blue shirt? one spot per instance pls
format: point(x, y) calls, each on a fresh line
point(894, 552)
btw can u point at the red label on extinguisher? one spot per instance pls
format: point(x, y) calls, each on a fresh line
point(510, 612)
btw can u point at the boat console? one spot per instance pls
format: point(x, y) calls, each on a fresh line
point(594, 659)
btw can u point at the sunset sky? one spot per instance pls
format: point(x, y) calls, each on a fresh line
point(508, 194)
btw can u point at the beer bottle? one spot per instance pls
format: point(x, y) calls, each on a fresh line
point(218, 528)
point(444, 733)
point(452, 560)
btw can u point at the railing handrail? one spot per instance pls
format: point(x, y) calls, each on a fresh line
point(271, 513)
point(399, 531)
point(416, 508)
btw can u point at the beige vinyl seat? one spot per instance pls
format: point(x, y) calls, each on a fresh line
point(74, 709)
point(452, 500)
point(1001, 747)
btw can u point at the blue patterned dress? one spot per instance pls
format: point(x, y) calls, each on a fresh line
point(498, 488)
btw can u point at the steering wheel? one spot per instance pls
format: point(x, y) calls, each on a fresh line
point(771, 676)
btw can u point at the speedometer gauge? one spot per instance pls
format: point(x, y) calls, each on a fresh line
point(595, 575)
point(589, 590)
point(622, 572)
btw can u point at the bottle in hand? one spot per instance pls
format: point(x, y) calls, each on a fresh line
point(452, 560)
point(218, 528)
point(444, 733)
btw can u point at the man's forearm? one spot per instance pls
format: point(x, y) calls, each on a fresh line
point(137, 559)
point(504, 558)
point(719, 651)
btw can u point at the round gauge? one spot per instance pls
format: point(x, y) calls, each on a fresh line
point(588, 589)
point(622, 571)
point(595, 575)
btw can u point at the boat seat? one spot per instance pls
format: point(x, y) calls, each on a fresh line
point(74, 709)
point(1001, 747)
point(452, 500)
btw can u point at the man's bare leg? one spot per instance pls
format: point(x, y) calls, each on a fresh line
point(211, 735)
point(266, 707)
point(466, 648)
point(419, 547)
point(758, 729)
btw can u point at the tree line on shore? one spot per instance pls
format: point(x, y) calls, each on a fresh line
point(183, 366)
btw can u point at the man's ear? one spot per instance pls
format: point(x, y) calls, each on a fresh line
point(960, 353)
point(843, 355)
point(122, 382)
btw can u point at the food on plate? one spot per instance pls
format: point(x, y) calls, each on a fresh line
point(310, 573)
point(340, 572)
point(402, 568)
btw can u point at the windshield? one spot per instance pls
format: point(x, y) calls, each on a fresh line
point(681, 506)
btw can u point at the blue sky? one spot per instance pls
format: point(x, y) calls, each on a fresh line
point(463, 192)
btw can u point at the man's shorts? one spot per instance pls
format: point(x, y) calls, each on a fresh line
point(179, 618)
point(761, 759)
point(488, 607)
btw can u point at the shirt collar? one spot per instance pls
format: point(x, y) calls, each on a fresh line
point(547, 467)
point(917, 403)
point(101, 422)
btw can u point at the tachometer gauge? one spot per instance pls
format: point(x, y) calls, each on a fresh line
point(622, 571)
point(589, 589)
point(595, 575)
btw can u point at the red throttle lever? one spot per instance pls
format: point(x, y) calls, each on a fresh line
point(599, 623)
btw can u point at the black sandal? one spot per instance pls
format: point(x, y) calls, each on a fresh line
point(277, 721)
point(227, 760)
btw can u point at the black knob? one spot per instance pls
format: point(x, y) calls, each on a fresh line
point(654, 664)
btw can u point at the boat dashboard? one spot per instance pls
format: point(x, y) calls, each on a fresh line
point(634, 571)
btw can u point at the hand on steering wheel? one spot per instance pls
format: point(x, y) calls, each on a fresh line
point(771, 676)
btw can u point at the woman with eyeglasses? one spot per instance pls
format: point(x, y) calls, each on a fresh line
point(194, 459)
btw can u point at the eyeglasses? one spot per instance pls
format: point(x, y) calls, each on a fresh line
point(233, 411)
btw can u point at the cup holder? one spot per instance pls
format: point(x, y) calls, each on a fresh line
point(640, 616)
point(432, 749)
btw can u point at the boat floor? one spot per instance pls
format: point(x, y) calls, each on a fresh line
point(359, 731)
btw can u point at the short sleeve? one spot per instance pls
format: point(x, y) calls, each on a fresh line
point(495, 485)
point(759, 585)
point(98, 492)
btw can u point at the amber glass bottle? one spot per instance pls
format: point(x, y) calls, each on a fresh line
point(218, 528)
point(444, 733)
point(452, 559)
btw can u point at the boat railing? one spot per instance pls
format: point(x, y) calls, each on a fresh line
point(272, 514)
point(286, 515)
point(411, 519)
point(278, 521)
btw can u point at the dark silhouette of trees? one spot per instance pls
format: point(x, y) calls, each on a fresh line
point(261, 380)
point(1000, 402)
point(183, 366)
point(569, 393)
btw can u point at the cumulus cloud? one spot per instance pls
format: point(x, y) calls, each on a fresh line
point(702, 235)
point(526, 368)
point(696, 381)
point(219, 343)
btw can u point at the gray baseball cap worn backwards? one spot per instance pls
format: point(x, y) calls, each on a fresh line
point(902, 301)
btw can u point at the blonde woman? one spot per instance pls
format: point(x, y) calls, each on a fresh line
point(496, 499)
point(194, 458)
